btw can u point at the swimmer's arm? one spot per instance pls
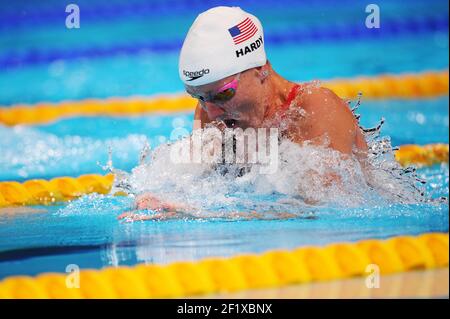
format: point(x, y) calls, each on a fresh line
point(149, 201)
point(241, 215)
point(327, 115)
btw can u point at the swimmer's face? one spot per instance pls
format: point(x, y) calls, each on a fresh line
point(234, 99)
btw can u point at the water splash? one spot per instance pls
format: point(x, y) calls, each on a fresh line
point(387, 176)
point(30, 152)
point(298, 187)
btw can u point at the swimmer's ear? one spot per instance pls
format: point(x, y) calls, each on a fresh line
point(263, 73)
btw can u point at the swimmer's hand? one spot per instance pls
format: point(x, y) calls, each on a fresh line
point(236, 215)
point(150, 201)
point(133, 217)
point(163, 209)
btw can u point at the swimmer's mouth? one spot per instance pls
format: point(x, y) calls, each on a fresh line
point(230, 123)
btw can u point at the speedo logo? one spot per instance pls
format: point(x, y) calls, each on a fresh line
point(194, 75)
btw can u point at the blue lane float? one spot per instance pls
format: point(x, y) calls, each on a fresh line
point(105, 11)
point(337, 32)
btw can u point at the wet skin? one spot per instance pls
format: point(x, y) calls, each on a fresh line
point(317, 112)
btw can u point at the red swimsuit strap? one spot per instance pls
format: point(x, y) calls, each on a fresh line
point(291, 96)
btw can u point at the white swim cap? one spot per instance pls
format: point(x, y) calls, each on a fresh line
point(221, 42)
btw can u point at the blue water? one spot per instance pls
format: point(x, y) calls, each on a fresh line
point(127, 54)
point(121, 52)
point(88, 234)
point(93, 238)
point(78, 145)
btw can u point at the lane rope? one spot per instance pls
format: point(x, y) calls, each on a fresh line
point(405, 86)
point(44, 192)
point(421, 156)
point(99, 12)
point(295, 34)
point(275, 268)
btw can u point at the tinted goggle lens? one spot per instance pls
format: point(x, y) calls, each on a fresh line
point(224, 95)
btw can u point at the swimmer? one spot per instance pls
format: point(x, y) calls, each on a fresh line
point(223, 65)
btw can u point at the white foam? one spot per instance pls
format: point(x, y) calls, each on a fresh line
point(298, 182)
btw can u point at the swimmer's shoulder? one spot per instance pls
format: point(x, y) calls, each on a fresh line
point(315, 97)
point(323, 109)
point(327, 113)
point(324, 104)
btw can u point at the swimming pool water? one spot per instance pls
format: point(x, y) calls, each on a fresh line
point(90, 236)
point(120, 57)
point(77, 146)
point(86, 231)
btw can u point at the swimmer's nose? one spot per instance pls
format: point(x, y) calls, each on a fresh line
point(213, 110)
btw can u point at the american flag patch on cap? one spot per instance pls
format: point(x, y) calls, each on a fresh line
point(243, 31)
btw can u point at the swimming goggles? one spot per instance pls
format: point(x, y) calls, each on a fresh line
point(222, 95)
